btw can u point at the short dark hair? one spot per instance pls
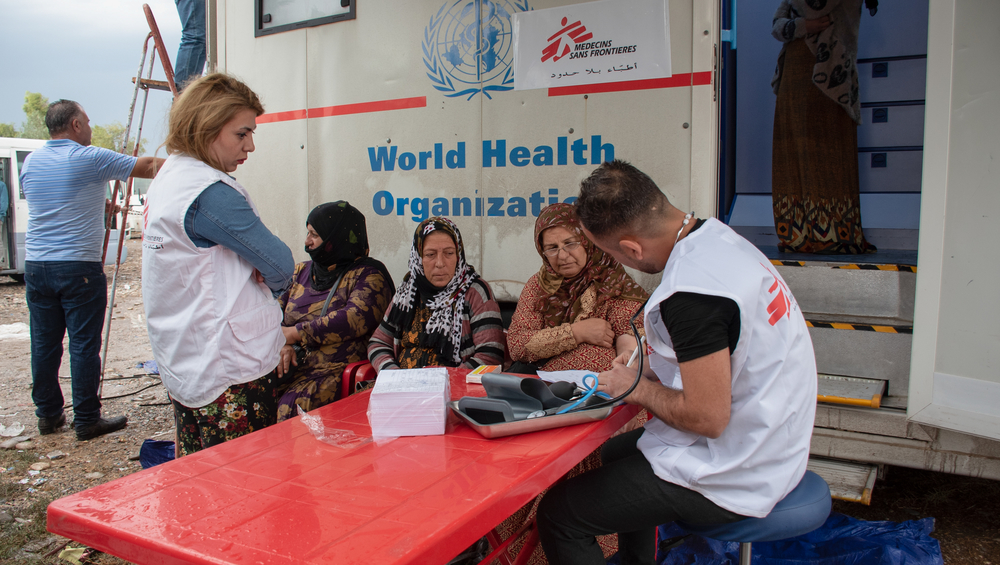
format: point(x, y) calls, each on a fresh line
point(60, 115)
point(618, 196)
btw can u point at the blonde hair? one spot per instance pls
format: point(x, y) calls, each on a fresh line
point(203, 108)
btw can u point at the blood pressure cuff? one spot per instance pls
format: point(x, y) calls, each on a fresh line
point(510, 398)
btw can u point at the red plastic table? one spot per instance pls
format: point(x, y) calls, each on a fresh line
point(280, 496)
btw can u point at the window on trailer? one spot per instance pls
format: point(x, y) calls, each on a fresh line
point(21, 156)
point(275, 16)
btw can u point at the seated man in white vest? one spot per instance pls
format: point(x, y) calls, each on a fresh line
point(729, 378)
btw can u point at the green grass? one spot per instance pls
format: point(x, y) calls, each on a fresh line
point(18, 502)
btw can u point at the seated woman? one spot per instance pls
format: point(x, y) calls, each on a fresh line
point(574, 313)
point(443, 314)
point(334, 305)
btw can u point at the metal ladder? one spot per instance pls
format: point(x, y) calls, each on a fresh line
point(144, 84)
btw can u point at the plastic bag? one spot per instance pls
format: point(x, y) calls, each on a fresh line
point(338, 438)
point(150, 367)
point(153, 452)
point(842, 540)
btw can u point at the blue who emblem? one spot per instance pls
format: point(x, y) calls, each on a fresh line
point(469, 47)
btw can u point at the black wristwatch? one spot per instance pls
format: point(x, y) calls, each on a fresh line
point(300, 353)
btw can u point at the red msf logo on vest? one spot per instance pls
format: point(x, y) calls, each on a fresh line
point(781, 303)
point(559, 44)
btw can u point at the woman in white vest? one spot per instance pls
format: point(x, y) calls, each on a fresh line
point(211, 271)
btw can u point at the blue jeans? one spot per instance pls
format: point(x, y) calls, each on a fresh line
point(66, 296)
point(191, 53)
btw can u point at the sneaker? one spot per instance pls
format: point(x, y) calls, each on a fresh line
point(101, 427)
point(48, 426)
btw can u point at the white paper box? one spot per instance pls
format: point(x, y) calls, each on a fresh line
point(409, 402)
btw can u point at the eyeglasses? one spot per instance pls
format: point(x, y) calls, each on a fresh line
point(554, 251)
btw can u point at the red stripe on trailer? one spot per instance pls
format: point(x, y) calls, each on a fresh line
point(367, 107)
point(345, 109)
point(282, 116)
point(685, 79)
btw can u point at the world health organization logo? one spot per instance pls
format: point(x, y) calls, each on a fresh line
point(469, 47)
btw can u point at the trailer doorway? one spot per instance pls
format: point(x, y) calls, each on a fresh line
point(892, 57)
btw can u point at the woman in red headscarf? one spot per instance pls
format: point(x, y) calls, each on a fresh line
point(574, 313)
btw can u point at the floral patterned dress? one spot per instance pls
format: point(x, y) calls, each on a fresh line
point(332, 341)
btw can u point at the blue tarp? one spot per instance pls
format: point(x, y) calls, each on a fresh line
point(153, 452)
point(842, 540)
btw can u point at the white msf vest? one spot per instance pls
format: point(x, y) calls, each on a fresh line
point(211, 324)
point(762, 454)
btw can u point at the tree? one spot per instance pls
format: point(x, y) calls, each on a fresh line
point(110, 137)
point(33, 127)
point(35, 106)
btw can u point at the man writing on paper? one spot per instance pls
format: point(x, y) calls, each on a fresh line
point(730, 379)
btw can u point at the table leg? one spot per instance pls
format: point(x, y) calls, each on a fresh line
point(500, 553)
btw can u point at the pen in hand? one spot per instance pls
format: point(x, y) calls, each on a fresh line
point(635, 352)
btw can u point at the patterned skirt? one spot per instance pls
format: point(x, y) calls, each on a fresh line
point(310, 391)
point(239, 410)
point(814, 165)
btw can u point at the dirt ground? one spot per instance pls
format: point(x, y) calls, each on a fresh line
point(967, 523)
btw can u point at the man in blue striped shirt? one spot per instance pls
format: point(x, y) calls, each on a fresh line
point(65, 184)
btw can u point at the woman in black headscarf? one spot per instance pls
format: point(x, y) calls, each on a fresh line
point(332, 308)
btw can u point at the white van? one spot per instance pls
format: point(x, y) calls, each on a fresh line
point(13, 152)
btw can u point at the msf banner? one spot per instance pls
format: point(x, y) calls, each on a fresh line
point(591, 43)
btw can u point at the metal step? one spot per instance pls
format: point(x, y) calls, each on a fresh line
point(864, 348)
point(888, 422)
point(848, 480)
point(850, 391)
point(821, 288)
point(148, 83)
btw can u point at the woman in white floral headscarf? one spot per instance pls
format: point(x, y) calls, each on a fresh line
point(444, 313)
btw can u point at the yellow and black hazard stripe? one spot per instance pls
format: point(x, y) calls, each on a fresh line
point(870, 267)
point(860, 327)
point(855, 266)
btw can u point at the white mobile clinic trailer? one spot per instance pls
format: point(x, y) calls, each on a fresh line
point(407, 108)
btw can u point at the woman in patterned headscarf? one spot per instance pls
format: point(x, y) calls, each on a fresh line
point(443, 314)
point(574, 313)
point(332, 308)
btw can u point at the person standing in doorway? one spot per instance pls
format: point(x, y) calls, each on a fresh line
point(814, 164)
point(4, 202)
point(65, 183)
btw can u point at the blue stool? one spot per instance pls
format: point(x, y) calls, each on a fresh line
point(802, 511)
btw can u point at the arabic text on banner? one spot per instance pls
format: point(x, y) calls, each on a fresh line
point(595, 42)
